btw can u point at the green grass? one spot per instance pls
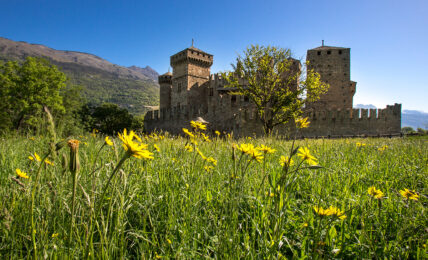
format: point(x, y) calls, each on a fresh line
point(171, 207)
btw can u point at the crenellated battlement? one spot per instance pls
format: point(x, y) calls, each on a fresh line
point(244, 121)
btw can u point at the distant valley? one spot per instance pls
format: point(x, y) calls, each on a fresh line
point(129, 87)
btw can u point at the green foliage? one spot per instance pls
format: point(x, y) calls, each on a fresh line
point(171, 207)
point(407, 130)
point(26, 88)
point(274, 82)
point(110, 119)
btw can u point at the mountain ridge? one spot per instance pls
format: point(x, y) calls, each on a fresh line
point(131, 88)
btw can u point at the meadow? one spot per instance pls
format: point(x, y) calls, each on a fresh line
point(213, 197)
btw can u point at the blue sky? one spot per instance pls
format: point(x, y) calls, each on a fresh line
point(388, 38)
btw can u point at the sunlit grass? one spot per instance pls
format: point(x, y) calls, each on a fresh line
point(350, 198)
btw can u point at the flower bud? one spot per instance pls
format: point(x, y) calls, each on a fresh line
point(74, 155)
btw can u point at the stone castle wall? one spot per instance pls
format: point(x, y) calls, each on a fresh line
point(244, 122)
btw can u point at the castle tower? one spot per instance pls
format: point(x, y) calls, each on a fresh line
point(191, 70)
point(333, 64)
point(165, 82)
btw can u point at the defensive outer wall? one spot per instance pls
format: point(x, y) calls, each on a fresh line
point(328, 124)
point(190, 91)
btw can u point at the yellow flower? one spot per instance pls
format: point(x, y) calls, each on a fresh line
point(200, 153)
point(409, 194)
point(378, 194)
point(336, 212)
point(156, 148)
point(302, 122)
point(36, 157)
point(169, 241)
point(206, 138)
point(265, 149)
point(49, 162)
point(54, 235)
point(245, 148)
point(208, 168)
point(322, 212)
point(137, 150)
point(211, 160)
point(306, 156)
point(256, 155)
point(193, 141)
point(283, 160)
point(198, 125)
point(217, 133)
point(32, 138)
point(187, 132)
point(108, 141)
point(360, 144)
point(383, 148)
point(188, 148)
point(21, 174)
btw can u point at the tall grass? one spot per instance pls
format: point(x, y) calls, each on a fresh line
point(175, 207)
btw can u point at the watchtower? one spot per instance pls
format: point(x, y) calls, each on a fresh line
point(333, 64)
point(191, 70)
point(165, 83)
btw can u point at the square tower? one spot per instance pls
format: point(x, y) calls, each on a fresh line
point(191, 71)
point(334, 66)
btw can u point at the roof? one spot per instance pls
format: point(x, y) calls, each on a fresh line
point(328, 48)
point(167, 74)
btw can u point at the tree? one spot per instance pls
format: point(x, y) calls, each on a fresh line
point(274, 82)
point(24, 90)
point(110, 119)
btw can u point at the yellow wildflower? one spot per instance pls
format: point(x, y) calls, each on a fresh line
point(200, 153)
point(256, 155)
point(188, 148)
point(378, 194)
point(336, 212)
point(54, 235)
point(265, 149)
point(306, 156)
point(383, 148)
point(245, 148)
point(134, 149)
point(409, 194)
point(49, 162)
point(208, 168)
point(21, 174)
point(360, 144)
point(35, 157)
point(187, 132)
point(198, 125)
point(302, 122)
point(217, 133)
point(211, 160)
point(322, 212)
point(108, 141)
point(156, 148)
point(169, 241)
point(206, 138)
point(283, 160)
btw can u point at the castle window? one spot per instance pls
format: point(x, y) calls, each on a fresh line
point(344, 74)
point(246, 99)
point(179, 88)
point(319, 53)
point(233, 99)
point(340, 52)
point(211, 92)
point(328, 52)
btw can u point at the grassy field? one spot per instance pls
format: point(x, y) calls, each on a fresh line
point(226, 201)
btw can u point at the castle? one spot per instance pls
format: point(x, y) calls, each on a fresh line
point(191, 91)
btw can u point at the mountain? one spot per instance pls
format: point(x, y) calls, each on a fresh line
point(132, 88)
point(365, 106)
point(413, 118)
point(147, 71)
